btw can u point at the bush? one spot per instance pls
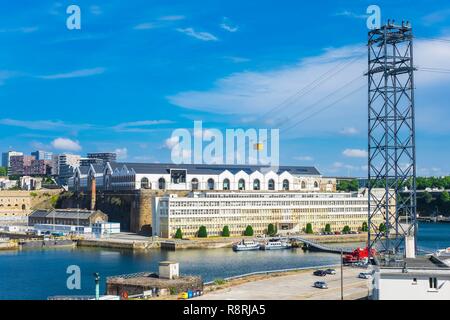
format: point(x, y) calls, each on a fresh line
point(309, 228)
point(346, 229)
point(178, 234)
point(202, 233)
point(271, 230)
point(327, 228)
point(364, 227)
point(219, 282)
point(173, 291)
point(382, 227)
point(248, 231)
point(225, 231)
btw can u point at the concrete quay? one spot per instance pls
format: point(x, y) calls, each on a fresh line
point(291, 286)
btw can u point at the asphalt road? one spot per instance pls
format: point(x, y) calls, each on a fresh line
point(296, 287)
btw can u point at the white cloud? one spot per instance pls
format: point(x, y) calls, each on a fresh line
point(45, 125)
point(436, 17)
point(5, 75)
point(304, 158)
point(205, 36)
point(228, 26)
point(66, 144)
point(171, 142)
point(349, 131)
point(235, 59)
point(172, 18)
point(122, 153)
point(355, 153)
point(140, 126)
point(74, 74)
point(96, 10)
point(347, 13)
point(145, 26)
point(257, 93)
point(21, 30)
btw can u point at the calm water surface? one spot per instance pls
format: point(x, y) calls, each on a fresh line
point(37, 274)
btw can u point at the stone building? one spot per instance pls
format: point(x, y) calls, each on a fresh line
point(67, 217)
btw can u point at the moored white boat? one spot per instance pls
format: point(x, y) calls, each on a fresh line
point(276, 245)
point(246, 245)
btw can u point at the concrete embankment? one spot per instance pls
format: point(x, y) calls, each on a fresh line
point(47, 243)
point(111, 244)
point(8, 245)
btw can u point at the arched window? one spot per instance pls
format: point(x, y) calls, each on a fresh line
point(256, 184)
point(161, 183)
point(23, 207)
point(285, 184)
point(316, 184)
point(210, 184)
point(226, 184)
point(241, 184)
point(144, 183)
point(303, 185)
point(271, 184)
point(194, 184)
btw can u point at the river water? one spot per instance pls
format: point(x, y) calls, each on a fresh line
point(39, 273)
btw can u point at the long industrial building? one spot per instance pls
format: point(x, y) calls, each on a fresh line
point(115, 176)
point(290, 212)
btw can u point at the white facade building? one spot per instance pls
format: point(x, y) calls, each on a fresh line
point(290, 212)
point(423, 278)
point(135, 176)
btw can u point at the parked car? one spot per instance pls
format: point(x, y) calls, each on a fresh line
point(330, 271)
point(320, 273)
point(364, 275)
point(320, 285)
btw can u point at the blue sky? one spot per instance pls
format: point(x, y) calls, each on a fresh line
point(137, 70)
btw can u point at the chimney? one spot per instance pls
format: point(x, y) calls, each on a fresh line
point(93, 193)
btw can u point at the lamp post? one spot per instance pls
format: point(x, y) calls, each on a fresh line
point(97, 285)
point(342, 274)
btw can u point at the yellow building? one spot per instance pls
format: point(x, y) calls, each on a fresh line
point(290, 212)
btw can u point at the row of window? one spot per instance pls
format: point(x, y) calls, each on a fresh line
point(226, 185)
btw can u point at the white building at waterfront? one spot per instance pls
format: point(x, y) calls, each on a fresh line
point(290, 212)
point(420, 278)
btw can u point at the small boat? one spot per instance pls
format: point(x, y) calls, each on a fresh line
point(276, 245)
point(246, 245)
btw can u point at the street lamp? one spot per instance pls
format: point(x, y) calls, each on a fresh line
point(97, 285)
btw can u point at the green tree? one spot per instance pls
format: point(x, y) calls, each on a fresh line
point(3, 171)
point(225, 231)
point(271, 231)
point(382, 227)
point(428, 198)
point(309, 228)
point(179, 234)
point(248, 231)
point(347, 186)
point(346, 229)
point(364, 227)
point(202, 233)
point(327, 227)
point(445, 197)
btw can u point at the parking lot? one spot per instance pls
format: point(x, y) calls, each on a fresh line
point(298, 286)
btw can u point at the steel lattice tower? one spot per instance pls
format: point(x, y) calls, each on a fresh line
point(391, 131)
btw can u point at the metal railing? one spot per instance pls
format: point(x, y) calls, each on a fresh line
point(266, 272)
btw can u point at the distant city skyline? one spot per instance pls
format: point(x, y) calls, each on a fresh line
point(134, 73)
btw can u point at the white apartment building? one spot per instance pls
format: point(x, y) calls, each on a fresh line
point(290, 212)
